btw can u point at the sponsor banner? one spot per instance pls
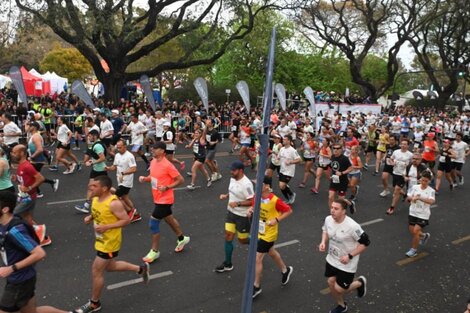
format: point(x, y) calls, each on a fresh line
point(145, 82)
point(244, 92)
point(281, 95)
point(308, 91)
point(201, 88)
point(79, 89)
point(17, 79)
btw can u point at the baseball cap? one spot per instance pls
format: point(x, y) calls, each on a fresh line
point(167, 123)
point(237, 165)
point(159, 145)
point(431, 135)
point(96, 109)
point(115, 111)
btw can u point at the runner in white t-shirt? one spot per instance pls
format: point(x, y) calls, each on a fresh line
point(400, 159)
point(125, 166)
point(240, 196)
point(421, 197)
point(289, 157)
point(137, 130)
point(461, 150)
point(346, 241)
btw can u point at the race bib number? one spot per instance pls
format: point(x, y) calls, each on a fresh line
point(234, 128)
point(416, 146)
point(334, 251)
point(196, 149)
point(154, 183)
point(208, 138)
point(335, 179)
point(262, 227)
point(442, 159)
point(98, 236)
point(388, 161)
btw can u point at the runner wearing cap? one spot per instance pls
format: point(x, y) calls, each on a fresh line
point(240, 196)
point(163, 178)
point(445, 165)
point(272, 211)
point(430, 150)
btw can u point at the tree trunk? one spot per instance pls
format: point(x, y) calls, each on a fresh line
point(113, 85)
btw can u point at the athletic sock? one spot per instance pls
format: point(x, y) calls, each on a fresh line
point(288, 191)
point(228, 251)
point(180, 238)
point(285, 193)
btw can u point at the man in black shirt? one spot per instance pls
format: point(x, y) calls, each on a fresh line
point(388, 168)
point(340, 167)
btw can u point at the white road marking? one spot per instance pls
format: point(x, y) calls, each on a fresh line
point(434, 206)
point(65, 201)
point(378, 220)
point(185, 188)
point(287, 243)
point(138, 280)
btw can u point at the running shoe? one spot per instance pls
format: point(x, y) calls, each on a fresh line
point(182, 165)
point(340, 309)
point(292, 198)
point(412, 253)
point(79, 167)
point(256, 291)
point(181, 243)
point(375, 173)
point(366, 167)
point(151, 256)
point(68, 171)
point(53, 168)
point(74, 167)
point(461, 181)
point(286, 275)
point(209, 182)
point(55, 186)
point(357, 191)
point(137, 217)
point(390, 211)
point(40, 231)
point(83, 208)
point(191, 187)
point(362, 290)
point(131, 213)
point(145, 272)
point(352, 207)
point(89, 307)
point(424, 239)
point(385, 193)
point(224, 267)
point(76, 148)
point(219, 176)
point(214, 177)
point(40, 195)
point(301, 185)
point(314, 190)
point(189, 174)
point(46, 241)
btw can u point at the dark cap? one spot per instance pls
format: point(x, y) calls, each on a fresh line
point(268, 181)
point(159, 145)
point(237, 165)
point(35, 125)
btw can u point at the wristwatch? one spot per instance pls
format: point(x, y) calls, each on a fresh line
point(350, 256)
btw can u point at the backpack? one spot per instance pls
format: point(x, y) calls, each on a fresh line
point(15, 222)
point(92, 153)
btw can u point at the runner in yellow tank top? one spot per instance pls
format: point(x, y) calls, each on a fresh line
point(272, 211)
point(108, 217)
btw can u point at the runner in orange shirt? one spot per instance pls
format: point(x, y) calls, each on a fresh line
point(163, 178)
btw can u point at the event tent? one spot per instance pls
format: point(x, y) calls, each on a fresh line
point(58, 84)
point(4, 80)
point(34, 85)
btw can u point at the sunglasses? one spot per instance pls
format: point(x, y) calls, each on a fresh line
point(337, 148)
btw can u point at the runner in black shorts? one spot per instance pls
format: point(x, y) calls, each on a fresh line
point(388, 168)
point(340, 167)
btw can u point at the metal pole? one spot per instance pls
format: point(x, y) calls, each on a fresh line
point(247, 299)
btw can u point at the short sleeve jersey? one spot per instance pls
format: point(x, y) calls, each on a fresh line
point(342, 239)
point(25, 176)
point(123, 162)
point(419, 208)
point(240, 190)
point(162, 173)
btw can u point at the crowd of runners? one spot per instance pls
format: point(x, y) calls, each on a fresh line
point(417, 153)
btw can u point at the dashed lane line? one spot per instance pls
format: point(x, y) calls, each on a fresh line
point(460, 240)
point(287, 243)
point(411, 260)
point(137, 280)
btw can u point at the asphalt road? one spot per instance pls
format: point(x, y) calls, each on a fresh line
point(438, 281)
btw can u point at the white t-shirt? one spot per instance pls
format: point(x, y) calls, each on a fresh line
point(159, 127)
point(288, 154)
point(419, 208)
point(413, 176)
point(106, 127)
point(63, 134)
point(293, 127)
point(283, 130)
point(402, 160)
point(342, 239)
point(11, 128)
point(137, 130)
point(240, 190)
point(123, 162)
point(460, 148)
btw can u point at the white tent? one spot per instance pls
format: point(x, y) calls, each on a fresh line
point(4, 80)
point(57, 83)
point(36, 73)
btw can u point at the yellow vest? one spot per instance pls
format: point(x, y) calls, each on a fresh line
point(268, 212)
point(110, 240)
